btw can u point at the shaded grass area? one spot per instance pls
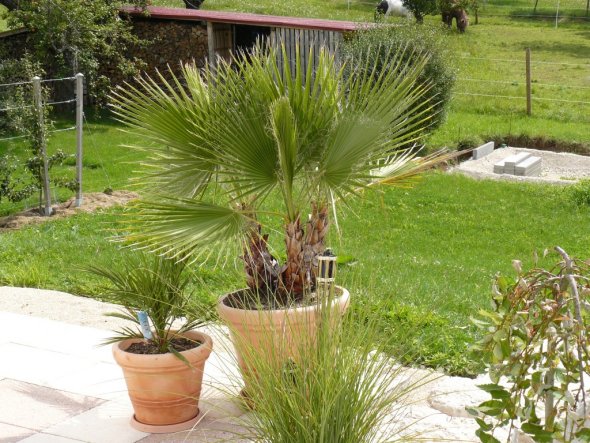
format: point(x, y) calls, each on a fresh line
point(424, 258)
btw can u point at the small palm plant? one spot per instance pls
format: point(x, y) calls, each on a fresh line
point(157, 286)
point(225, 139)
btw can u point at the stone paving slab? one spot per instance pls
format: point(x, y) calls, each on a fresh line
point(108, 422)
point(49, 438)
point(37, 407)
point(62, 361)
point(10, 433)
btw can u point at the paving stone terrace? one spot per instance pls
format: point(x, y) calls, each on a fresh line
point(58, 386)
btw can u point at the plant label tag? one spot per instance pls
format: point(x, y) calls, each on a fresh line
point(144, 324)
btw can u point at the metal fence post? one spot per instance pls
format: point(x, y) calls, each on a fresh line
point(529, 104)
point(42, 141)
point(79, 124)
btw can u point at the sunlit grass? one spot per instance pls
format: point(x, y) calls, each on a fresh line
point(422, 258)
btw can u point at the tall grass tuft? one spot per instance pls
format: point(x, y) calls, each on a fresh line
point(338, 387)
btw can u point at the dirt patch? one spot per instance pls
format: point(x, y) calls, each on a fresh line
point(557, 167)
point(90, 203)
point(541, 143)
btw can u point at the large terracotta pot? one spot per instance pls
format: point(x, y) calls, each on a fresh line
point(163, 389)
point(277, 334)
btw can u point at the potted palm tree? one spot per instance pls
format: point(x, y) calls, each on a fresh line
point(240, 142)
point(163, 361)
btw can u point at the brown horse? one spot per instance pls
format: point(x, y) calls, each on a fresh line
point(450, 10)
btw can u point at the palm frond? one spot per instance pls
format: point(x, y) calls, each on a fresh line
point(184, 226)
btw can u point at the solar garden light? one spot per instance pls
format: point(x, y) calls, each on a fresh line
point(326, 267)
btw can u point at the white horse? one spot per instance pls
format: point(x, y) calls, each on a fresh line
point(393, 7)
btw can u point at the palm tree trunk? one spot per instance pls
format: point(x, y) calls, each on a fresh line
point(261, 267)
point(303, 248)
point(294, 280)
point(316, 230)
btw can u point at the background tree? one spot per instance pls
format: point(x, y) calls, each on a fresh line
point(71, 36)
point(421, 8)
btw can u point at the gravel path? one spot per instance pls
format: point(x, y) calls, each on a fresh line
point(557, 167)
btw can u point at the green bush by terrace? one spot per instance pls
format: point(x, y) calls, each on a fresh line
point(438, 72)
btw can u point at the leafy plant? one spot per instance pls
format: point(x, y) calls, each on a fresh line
point(421, 8)
point(438, 72)
point(72, 36)
point(537, 339)
point(157, 286)
point(227, 138)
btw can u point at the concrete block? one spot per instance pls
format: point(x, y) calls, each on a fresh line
point(528, 167)
point(513, 160)
point(483, 150)
point(499, 167)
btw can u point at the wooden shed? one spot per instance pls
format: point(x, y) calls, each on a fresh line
point(231, 31)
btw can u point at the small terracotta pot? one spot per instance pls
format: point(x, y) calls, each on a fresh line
point(163, 389)
point(278, 334)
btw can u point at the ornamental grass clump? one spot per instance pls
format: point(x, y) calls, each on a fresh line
point(537, 349)
point(343, 389)
point(252, 138)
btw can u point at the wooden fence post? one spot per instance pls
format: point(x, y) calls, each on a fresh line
point(42, 139)
point(79, 122)
point(529, 104)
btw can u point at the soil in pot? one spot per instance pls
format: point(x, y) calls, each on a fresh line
point(147, 347)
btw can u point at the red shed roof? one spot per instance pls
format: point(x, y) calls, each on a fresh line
point(245, 19)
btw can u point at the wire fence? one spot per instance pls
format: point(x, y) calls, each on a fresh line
point(32, 105)
point(40, 100)
point(508, 84)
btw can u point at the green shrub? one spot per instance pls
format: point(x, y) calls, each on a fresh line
point(439, 73)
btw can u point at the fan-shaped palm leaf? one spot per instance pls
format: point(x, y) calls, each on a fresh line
point(228, 136)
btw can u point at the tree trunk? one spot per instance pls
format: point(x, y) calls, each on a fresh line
point(294, 278)
point(315, 232)
point(10, 4)
point(261, 267)
point(536, 3)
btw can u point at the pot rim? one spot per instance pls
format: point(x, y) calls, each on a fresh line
point(206, 344)
point(344, 296)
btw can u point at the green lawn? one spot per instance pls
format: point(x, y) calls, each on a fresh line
point(424, 258)
point(2, 20)
point(501, 35)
